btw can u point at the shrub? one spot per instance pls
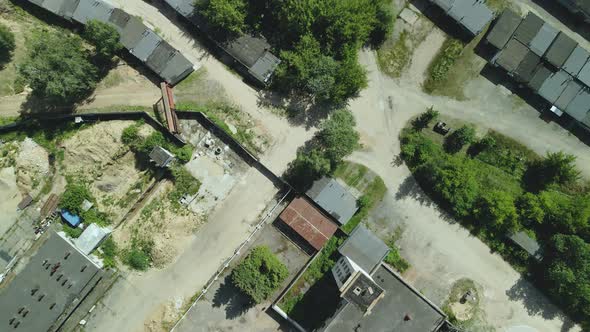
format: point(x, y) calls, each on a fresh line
point(497, 211)
point(424, 119)
point(130, 135)
point(138, 259)
point(7, 44)
point(459, 138)
point(259, 274)
point(76, 192)
point(104, 37)
point(73, 232)
point(530, 209)
point(442, 63)
point(394, 259)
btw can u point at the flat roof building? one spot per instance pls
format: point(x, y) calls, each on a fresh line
point(528, 28)
point(52, 284)
point(503, 29)
point(528, 244)
point(334, 198)
point(569, 93)
point(527, 67)
point(541, 74)
point(91, 238)
point(579, 107)
point(554, 85)
point(93, 10)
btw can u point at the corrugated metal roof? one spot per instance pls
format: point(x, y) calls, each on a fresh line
point(334, 198)
point(177, 69)
point(511, 56)
point(247, 49)
point(91, 238)
point(37, 2)
point(576, 61)
point(158, 60)
point(308, 222)
point(471, 14)
point(503, 28)
point(584, 74)
point(528, 28)
point(554, 86)
point(264, 67)
point(560, 50)
point(571, 91)
point(543, 39)
point(539, 77)
point(364, 248)
point(146, 46)
point(528, 244)
point(527, 67)
point(579, 107)
point(93, 10)
point(132, 33)
point(67, 9)
point(184, 7)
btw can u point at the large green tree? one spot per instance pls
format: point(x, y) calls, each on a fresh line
point(459, 138)
point(566, 214)
point(338, 136)
point(497, 209)
point(58, 68)
point(7, 44)
point(227, 15)
point(104, 37)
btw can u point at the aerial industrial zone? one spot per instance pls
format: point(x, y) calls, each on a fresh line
point(288, 165)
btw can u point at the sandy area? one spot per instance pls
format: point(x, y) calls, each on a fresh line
point(32, 166)
point(9, 198)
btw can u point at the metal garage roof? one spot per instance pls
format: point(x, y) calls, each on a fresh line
point(528, 28)
point(576, 61)
point(503, 28)
point(158, 60)
point(132, 33)
point(307, 221)
point(364, 248)
point(571, 91)
point(334, 198)
point(511, 56)
point(541, 74)
point(578, 108)
point(554, 86)
point(584, 74)
point(560, 50)
point(177, 69)
point(184, 7)
point(119, 19)
point(444, 4)
point(471, 14)
point(543, 39)
point(527, 67)
point(53, 6)
point(93, 10)
point(146, 46)
point(37, 2)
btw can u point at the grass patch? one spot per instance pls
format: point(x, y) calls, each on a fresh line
point(5, 120)
point(394, 258)
point(442, 63)
point(191, 79)
point(108, 253)
point(393, 57)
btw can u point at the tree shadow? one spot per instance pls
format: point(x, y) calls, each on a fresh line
point(534, 302)
point(231, 299)
point(410, 188)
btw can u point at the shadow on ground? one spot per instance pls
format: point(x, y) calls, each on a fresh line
point(232, 299)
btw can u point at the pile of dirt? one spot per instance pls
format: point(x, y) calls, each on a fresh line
point(32, 165)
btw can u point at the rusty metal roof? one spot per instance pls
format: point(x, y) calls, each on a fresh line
point(309, 222)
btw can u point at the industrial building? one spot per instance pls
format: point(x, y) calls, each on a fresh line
point(141, 41)
point(550, 63)
point(49, 288)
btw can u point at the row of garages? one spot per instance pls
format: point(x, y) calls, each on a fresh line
point(544, 59)
point(141, 41)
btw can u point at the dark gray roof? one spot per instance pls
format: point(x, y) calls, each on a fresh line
point(511, 55)
point(67, 9)
point(560, 50)
point(161, 156)
point(584, 74)
point(579, 107)
point(571, 91)
point(363, 292)
point(473, 15)
point(146, 46)
point(364, 248)
point(247, 49)
point(445, 5)
point(184, 7)
point(527, 67)
point(528, 244)
point(576, 61)
point(539, 77)
point(132, 33)
point(264, 67)
point(334, 198)
point(93, 10)
point(528, 28)
point(389, 313)
point(55, 291)
point(554, 85)
point(503, 28)
point(160, 57)
point(543, 39)
point(177, 69)
point(119, 19)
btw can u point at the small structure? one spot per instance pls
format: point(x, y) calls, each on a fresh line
point(560, 50)
point(442, 128)
point(541, 74)
point(528, 29)
point(91, 238)
point(527, 67)
point(543, 39)
point(364, 248)
point(308, 223)
point(26, 201)
point(503, 29)
point(576, 61)
point(554, 85)
point(511, 55)
point(86, 205)
point(334, 198)
point(472, 15)
point(528, 244)
point(70, 218)
point(161, 157)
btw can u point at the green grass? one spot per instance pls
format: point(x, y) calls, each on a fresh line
point(192, 79)
point(4, 120)
point(442, 63)
point(352, 174)
point(394, 258)
point(393, 57)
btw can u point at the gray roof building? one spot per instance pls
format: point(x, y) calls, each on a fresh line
point(91, 238)
point(363, 292)
point(132, 32)
point(584, 74)
point(579, 107)
point(264, 67)
point(541, 74)
point(334, 198)
point(161, 156)
point(146, 46)
point(473, 15)
point(445, 5)
point(528, 244)
point(160, 57)
point(364, 248)
point(527, 67)
point(401, 309)
point(528, 28)
point(119, 19)
point(576, 61)
point(560, 50)
point(93, 10)
point(554, 85)
point(50, 286)
point(503, 29)
point(184, 7)
point(571, 91)
point(53, 6)
point(511, 56)
point(177, 69)
point(543, 39)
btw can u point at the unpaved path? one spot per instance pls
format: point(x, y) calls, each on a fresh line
point(415, 74)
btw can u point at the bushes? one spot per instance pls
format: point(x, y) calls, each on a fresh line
point(496, 208)
point(259, 274)
point(226, 15)
point(76, 192)
point(7, 44)
point(442, 63)
point(459, 138)
point(144, 146)
point(184, 183)
point(139, 255)
point(105, 39)
point(424, 119)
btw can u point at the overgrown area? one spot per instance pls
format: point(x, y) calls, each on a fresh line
point(441, 64)
point(317, 40)
point(495, 187)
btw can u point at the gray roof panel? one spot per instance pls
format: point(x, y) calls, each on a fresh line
point(528, 244)
point(541, 74)
point(93, 10)
point(264, 67)
point(68, 8)
point(119, 19)
point(444, 4)
point(247, 49)
point(177, 69)
point(576, 61)
point(543, 39)
point(146, 46)
point(554, 86)
point(158, 60)
point(53, 6)
point(132, 33)
point(37, 2)
point(334, 198)
point(584, 74)
point(528, 28)
point(527, 67)
point(571, 91)
point(184, 7)
point(560, 50)
point(503, 28)
point(511, 56)
point(473, 15)
point(364, 248)
point(579, 107)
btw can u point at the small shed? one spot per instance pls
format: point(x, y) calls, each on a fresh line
point(26, 201)
point(543, 39)
point(528, 244)
point(161, 156)
point(91, 238)
point(539, 77)
point(70, 218)
point(473, 15)
point(183, 7)
point(560, 50)
point(119, 19)
point(554, 86)
point(584, 74)
point(334, 198)
point(511, 56)
point(264, 67)
point(132, 32)
point(146, 46)
point(579, 107)
point(527, 67)
point(528, 28)
point(160, 57)
point(177, 68)
point(503, 29)
point(576, 61)
point(86, 205)
point(93, 10)
point(571, 91)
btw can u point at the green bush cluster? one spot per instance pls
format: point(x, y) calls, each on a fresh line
point(130, 136)
point(184, 183)
point(109, 252)
point(442, 63)
point(259, 274)
point(105, 39)
point(495, 192)
point(139, 255)
point(76, 192)
point(7, 44)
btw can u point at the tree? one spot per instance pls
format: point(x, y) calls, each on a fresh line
point(337, 136)
point(565, 214)
point(58, 68)
point(76, 192)
point(530, 209)
point(459, 138)
point(560, 168)
point(424, 119)
point(496, 208)
point(104, 37)
point(7, 44)
point(227, 15)
point(259, 274)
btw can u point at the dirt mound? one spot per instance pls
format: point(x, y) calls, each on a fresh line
point(32, 165)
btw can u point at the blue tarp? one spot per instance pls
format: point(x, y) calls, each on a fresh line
point(72, 219)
